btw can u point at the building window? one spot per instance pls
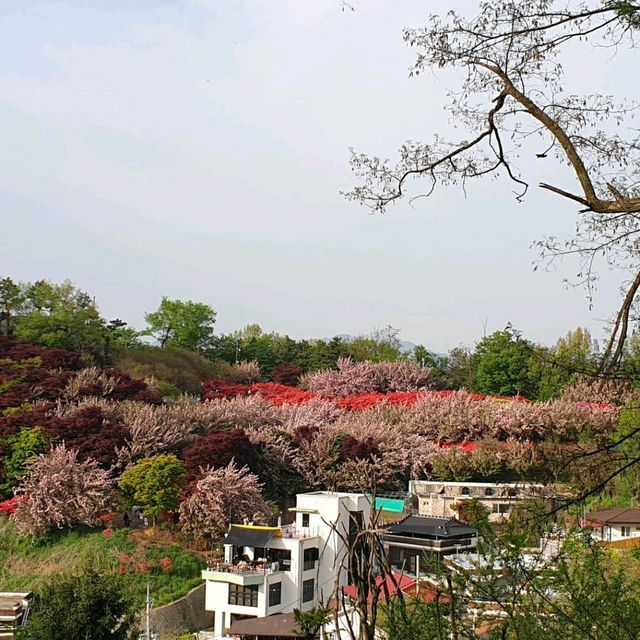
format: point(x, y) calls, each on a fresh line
point(464, 491)
point(282, 557)
point(305, 519)
point(513, 493)
point(275, 594)
point(488, 491)
point(501, 508)
point(307, 590)
point(310, 557)
point(625, 531)
point(243, 596)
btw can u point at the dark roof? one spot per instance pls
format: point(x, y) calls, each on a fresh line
point(279, 625)
point(426, 526)
point(611, 516)
point(248, 536)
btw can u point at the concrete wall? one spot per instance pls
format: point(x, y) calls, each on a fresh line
point(182, 615)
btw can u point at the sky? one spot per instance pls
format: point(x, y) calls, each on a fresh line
point(196, 149)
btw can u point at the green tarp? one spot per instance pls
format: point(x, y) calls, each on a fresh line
point(393, 505)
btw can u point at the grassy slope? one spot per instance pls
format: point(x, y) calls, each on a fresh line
point(26, 565)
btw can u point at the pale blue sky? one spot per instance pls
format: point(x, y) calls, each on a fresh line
point(196, 149)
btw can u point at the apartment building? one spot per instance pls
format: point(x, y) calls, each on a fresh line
point(273, 570)
point(442, 499)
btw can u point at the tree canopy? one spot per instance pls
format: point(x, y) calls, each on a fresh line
point(182, 324)
point(502, 364)
point(154, 483)
point(89, 606)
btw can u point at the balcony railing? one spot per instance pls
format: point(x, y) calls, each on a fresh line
point(246, 569)
point(291, 531)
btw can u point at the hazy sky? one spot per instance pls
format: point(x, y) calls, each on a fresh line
point(196, 149)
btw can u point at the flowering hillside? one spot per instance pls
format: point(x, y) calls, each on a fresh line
point(275, 438)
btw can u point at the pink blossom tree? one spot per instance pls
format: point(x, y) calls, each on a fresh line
point(353, 378)
point(223, 496)
point(59, 491)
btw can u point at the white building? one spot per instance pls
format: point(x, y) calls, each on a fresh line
point(614, 524)
point(443, 499)
point(274, 570)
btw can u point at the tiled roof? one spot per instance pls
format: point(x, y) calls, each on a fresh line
point(615, 516)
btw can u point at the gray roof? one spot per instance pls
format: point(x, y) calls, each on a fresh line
point(426, 526)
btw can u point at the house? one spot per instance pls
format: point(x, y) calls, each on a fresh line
point(270, 571)
point(614, 524)
point(409, 539)
point(442, 499)
point(14, 610)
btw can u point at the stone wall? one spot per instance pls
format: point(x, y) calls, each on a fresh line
point(182, 615)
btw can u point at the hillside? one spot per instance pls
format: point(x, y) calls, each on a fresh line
point(26, 565)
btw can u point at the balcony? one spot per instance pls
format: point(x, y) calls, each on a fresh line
point(298, 533)
point(244, 574)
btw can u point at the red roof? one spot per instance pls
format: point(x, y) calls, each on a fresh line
point(406, 584)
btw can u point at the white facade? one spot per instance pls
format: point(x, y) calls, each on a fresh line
point(442, 499)
point(610, 532)
point(234, 591)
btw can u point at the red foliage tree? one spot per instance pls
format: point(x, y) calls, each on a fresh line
point(218, 449)
point(288, 374)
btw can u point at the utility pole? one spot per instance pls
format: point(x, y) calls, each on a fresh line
point(148, 616)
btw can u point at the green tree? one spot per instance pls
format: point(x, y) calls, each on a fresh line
point(22, 447)
point(154, 484)
point(117, 338)
point(460, 373)
point(562, 365)
point(11, 302)
point(182, 324)
point(310, 622)
point(502, 364)
point(409, 618)
point(61, 316)
point(85, 607)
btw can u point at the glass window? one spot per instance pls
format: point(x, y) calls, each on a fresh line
point(501, 507)
point(464, 491)
point(488, 491)
point(307, 590)
point(243, 596)
point(275, 594)
point(282, 557)
point(305, 519)
point(626, 531)
point(310, 557)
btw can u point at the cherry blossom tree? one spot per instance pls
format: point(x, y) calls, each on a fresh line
point(353, 378)
point(223, 496)
point(60, 491)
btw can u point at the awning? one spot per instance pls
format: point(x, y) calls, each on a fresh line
point(280, 625)
point(250, 536)
point(392, 505)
